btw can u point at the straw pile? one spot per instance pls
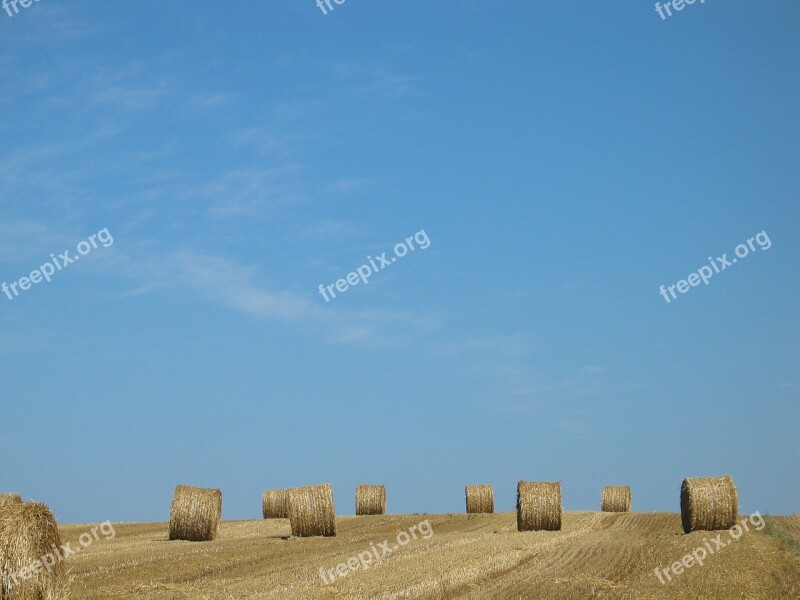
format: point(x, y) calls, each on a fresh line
point(538, 506)
point(275, 504)
point(9, 499)
point(29, 539)
point(195, 514)
point(709, 503)
point(370, 500)
point(480, 499)
point(311, 511)
point(616, 498)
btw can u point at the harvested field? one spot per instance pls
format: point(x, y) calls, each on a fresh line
point(595, 555)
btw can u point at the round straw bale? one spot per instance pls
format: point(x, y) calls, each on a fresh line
point(370, 500)
point(311, 511)
point(538, 506)
point(9, 499)
point(29, 535)
point(275, 504)
point(480, 498)
point(195, 514)
point(616, 498)
point(708, 503)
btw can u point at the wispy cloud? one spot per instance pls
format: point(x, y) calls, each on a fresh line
point(130, 98)
point(579, 384)
point(348, 185)
point(267, 142)
point(358, 79)
point(58, 24)
point(236, 287)
point(330, 229)
point(497, 345)
point(202, 101)
point(32, 241)
point(245, 191)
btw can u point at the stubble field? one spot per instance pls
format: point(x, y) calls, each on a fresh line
point(595, 555)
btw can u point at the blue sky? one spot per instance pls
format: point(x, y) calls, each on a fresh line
point(565, 159)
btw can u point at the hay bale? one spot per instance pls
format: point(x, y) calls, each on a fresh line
point(480, 498)
point(616, 498)
point(311, 511)
point(275, 504)
point(538, 506)
point(370, 500)
point(709, 503)
point(195, 514)
point(31, 564)
point(9, 499)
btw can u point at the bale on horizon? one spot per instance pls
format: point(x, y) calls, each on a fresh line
point(480, 498)
point(370, 500)
point(538, 506)
point(312, 512)
point(195, 514)
point(275, 504)
point(29, 534)
point(616, 498)
point(709, 503)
